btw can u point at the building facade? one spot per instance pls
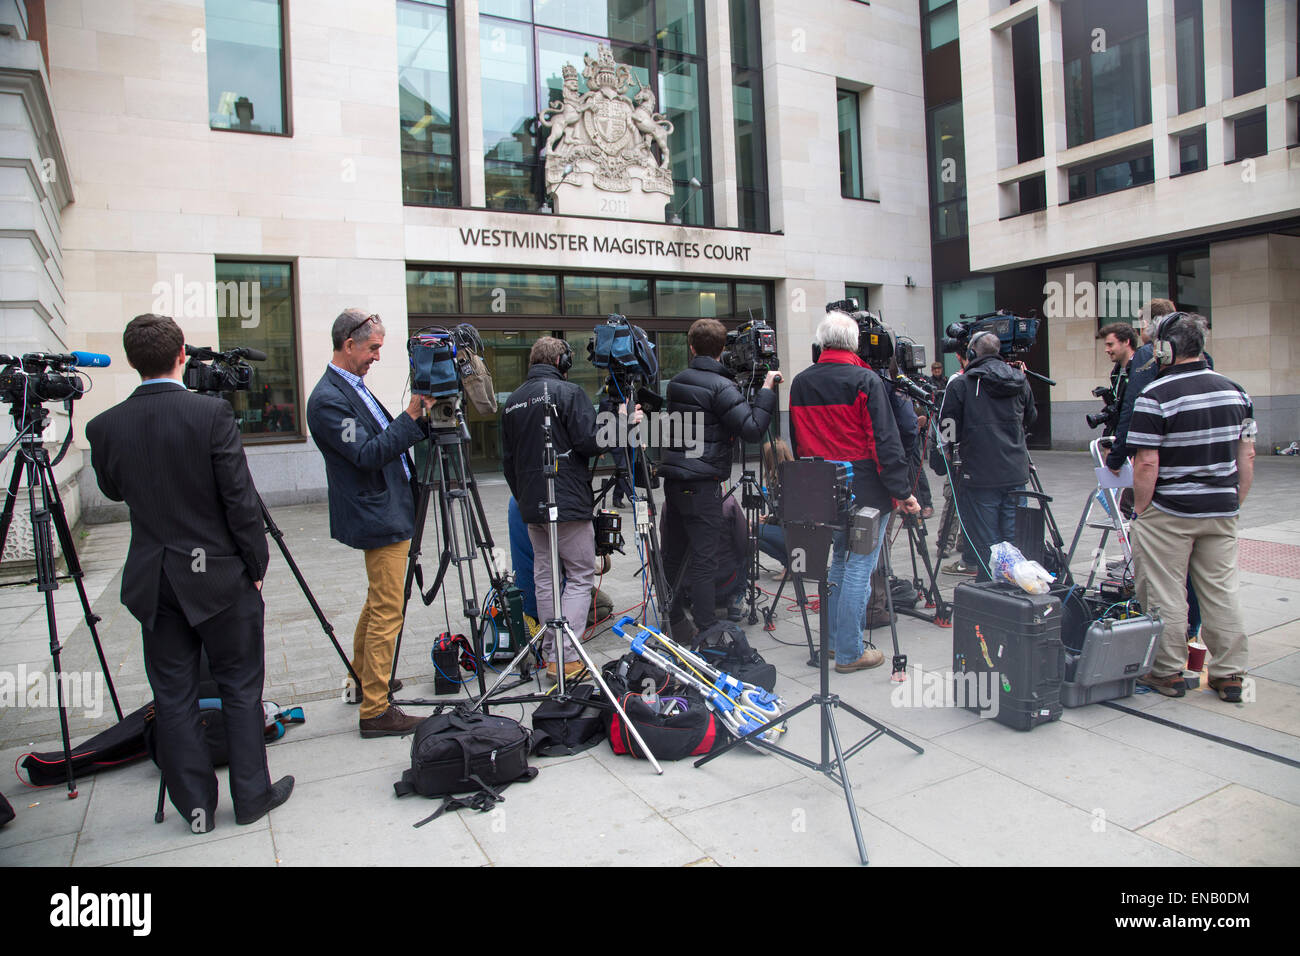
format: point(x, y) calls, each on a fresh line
point(1120, 149)
point(253, 167)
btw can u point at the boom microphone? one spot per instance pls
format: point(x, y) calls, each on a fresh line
point(91, 359)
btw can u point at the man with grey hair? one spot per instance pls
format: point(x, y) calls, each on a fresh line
point(840, 410)
point(371, 501)
point(987, 411)
point(1194, 438)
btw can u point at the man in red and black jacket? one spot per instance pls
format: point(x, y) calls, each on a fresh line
point(840, 410)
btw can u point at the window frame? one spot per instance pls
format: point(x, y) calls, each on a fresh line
point(299, 435)
point(856, 132)
point(286, 93)
point(454, 89)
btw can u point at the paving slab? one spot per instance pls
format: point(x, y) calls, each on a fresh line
point(1284, 669)
point(240, 849)
point(1233, 826)
point(1086, 770)
point(799, 824)
point(984, 818)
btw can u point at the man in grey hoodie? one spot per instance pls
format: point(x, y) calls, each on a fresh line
point(987, 411)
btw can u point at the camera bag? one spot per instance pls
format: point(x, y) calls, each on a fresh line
point(730, 652)
point(565, 727)
point(477, 381)
point(6, 811)
point(465, 751)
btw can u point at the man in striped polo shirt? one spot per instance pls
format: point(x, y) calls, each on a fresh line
point(1194, 437)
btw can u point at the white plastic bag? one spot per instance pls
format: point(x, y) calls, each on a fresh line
point(1006, 563)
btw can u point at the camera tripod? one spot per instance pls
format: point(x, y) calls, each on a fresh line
point(33, 464)
point(556, 623)
point(464, 529)
point(635, 469)
point(270, 527)
point(815, 541)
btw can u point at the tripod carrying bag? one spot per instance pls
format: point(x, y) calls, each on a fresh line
point(464, 751)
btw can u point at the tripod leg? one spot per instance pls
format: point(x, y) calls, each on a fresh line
point(6, 516)
point(64, 532)
point(770, 612)
point(278, 537)
point(843, 769)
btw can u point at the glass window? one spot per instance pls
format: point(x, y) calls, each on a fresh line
point(626, 20)
point(1247, 46)
point(1111, 174)
point(1028, 89)
point(1192, 280)
point(747, 104)
point(1107, 68)
point(1191, 151)
point(751, 302)
point(940, 23)
point(512, 9)
point(430, 292)
point(245, 43)
point(510, 293)
point(692, 300)
point(509, 115)
point(1125, 285)
point(677, 26)
point(1189, 53)
point(674, 354)
point(1033, 193)
point(947, 171)
point(681, 100)
point(427, 113)
point(1250, 135)
point(603, 295)
point(255, 310)
point(850, 145)
point(859, 292)
point(971, 296)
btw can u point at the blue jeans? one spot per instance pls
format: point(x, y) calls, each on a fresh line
point(849, 586)
point(989, 516)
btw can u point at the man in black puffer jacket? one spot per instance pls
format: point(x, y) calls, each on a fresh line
point(987, 410)
point(706, 397)
point(523, 444)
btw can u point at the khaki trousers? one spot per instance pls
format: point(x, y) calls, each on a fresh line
point(1166, 548)
point(381, 619)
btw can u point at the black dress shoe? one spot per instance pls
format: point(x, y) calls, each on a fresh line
point(277, 795)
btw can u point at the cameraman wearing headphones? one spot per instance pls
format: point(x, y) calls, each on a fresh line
point(704, 393)
point(987, 410)
point(1194, 438)
point(574, 435)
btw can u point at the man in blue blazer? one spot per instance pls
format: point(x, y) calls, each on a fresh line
point(372, 502)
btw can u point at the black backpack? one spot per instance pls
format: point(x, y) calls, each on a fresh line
point(730, 652)
point(464, 751)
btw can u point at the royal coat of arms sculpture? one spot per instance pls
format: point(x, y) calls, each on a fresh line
point(600, 152)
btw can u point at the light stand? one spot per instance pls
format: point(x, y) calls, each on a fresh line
point(808, 507)
point(557, 623)
point(33, 462)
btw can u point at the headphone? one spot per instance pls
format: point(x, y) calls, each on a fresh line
point(565, 361)
point(970, 346)
point(1165, 353)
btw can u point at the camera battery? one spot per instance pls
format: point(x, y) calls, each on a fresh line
point(864, 530)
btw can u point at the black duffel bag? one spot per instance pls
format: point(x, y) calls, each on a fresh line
point(690, 730)
point(729, 651)
point(465, 751)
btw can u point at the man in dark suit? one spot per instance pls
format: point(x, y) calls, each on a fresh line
point(193, 574)
point(372, 502)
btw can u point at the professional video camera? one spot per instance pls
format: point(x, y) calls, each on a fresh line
point(1016, 334)
point(445, 361)
point(751, 350)
point(1108, 416)
point(876, 344)
point(623, 349)
point(229, 372)
point(45, 377)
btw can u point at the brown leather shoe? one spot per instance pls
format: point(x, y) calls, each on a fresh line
point(391, 723)
point(871, 657)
